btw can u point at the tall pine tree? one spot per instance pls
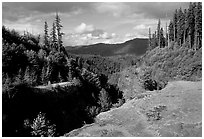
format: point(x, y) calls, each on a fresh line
point(46, 35)
point(162, 38)
point(180, 26)
point(191, 24)
point(158, 32)
point(175, 25)
point(59, 33)
point(171, 31)
point(186, 28)
point(53, 36)
point(198, 25)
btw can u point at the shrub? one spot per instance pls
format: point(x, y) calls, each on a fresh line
point(104, 100)
point(42, 127)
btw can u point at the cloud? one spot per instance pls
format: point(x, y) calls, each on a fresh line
point(87, 34)
point(157, 10)
point(141, 30)
point(14, 11)
point(127, 19)
point(91, 32)
point(82, 28)
point(47, 7)
point(141, 27)
point(115, 8)
point(24, 27)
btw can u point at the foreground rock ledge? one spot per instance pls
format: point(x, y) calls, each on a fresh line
point(174, 111)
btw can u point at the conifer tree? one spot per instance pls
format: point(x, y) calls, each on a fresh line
point(175, 25)
point(150, 39)
point(104, 100)
point(191, 24)
point(46, 35)
point(154, 40)
point(198, 25)
point(171, 31)
point(43, 75)
point(69, 64)
point(53, 36)
point(180, 26)
point(162, 39)
point(166, 36)
point(59, 33)
point(185, 36)
point(158, 32)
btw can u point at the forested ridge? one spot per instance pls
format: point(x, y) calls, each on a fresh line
point(185, 29)
point(97, 83)
point(136, 46)
point(30, 111)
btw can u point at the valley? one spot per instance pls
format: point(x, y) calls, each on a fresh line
point(150, 85)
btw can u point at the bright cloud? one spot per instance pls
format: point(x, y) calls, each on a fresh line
point(115, 8)
point(82, 28)
point(90, 22)
point(90, 38)
point(141, 26)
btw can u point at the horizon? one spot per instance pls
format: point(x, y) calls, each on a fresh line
point(86, 23)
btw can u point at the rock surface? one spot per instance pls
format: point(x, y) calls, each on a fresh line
point(175, 110)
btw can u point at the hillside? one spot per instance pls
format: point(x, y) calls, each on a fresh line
point(134, 47)
point(176, 110)
point(161, 99)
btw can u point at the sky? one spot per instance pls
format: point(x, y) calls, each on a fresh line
point(87, 23)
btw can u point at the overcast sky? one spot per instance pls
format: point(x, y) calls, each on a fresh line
point(90, 22)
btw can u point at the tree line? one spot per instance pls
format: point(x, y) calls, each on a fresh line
point(26, 59)
point(185, 29)
point(26, 63)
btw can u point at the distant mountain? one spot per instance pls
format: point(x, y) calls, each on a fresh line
point(136, 46)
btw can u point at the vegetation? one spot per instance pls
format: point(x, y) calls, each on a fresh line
point(42, 127)
point(178, 55)
point(136, 47)
point(174, 63)
point(184, 29)
point(26, 64)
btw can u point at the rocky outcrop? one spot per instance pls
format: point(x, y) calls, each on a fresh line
point(175, 110)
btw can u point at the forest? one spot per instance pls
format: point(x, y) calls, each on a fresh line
point(27, 63)
point(185, 29)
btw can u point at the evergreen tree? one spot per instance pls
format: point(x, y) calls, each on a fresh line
point(186, 28)
point(198, 25)
point(27, 77)
point(42, 127)
point(166, 36)
point(53, 36)
point(49, 71)
point(59, 33)
point(104, 100)
point(162, 38)
point(175, 25)
point(70, 72)
point(171, 31)
point(150, 40)
point(180, 26)
point(46, 36)
point(158, 32)
point(44, 75)
point(191, 23)
point(154, 40)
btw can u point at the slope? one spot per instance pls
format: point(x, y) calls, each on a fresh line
point(176, 110)
point(134, 47)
